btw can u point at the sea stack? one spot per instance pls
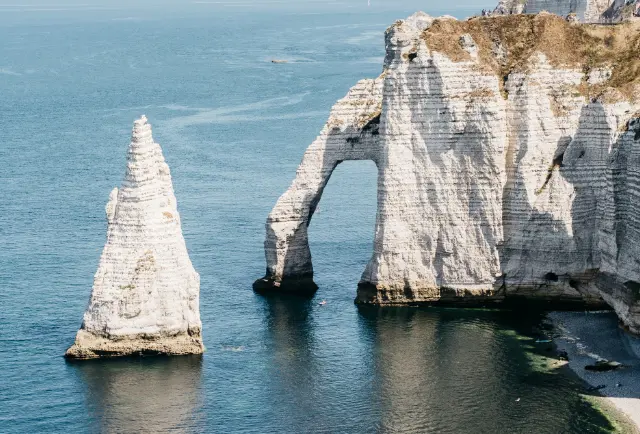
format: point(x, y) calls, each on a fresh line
point(145, 297)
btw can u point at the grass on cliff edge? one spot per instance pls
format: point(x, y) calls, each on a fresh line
point(582, 46)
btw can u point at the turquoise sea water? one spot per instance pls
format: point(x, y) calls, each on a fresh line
point(233, 127)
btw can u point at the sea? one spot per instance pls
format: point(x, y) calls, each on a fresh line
point(233, 127)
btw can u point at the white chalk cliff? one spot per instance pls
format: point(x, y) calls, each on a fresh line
point(587, 11)
point(508, 167)
point(145, 297)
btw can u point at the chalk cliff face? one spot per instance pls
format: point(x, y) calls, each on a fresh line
point(145, 297)
point(588, 11)
point(507, 166)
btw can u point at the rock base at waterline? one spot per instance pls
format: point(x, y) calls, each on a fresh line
point(90, 346)
point(304, 286)
point(381, 295)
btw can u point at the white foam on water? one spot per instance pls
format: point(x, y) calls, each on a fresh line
point(6, 71)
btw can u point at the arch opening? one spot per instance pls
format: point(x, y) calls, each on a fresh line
point(342, 232)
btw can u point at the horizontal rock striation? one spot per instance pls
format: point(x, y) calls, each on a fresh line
point(145, 297)
point(507, 167)
point(587, 11)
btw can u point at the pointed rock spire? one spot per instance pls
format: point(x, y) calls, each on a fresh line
point(145, 297)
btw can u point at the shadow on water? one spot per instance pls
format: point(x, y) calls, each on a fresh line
point(137, 395)
point(455, 370)
point(289, 333)
point(318, 378)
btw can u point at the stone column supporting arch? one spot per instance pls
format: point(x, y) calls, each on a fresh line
point(351, 133)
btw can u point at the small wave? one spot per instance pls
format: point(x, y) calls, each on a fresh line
point(582, 349)
point(364, 37)
point(183, 108)
point(289, 59)
point(240, 113)
point(132, 19)
point(372, 60)
point(347, 26)
point(9, 72)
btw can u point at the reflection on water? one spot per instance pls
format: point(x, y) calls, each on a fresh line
point(148, 394)
point(352, 370)
point(463, 371)
point(319, 378)
point(293, 375)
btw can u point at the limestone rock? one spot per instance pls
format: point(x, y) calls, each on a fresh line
point(351, 133)
point(145, 297)
point(508, 7)
point(507, 167)
point(587, 11)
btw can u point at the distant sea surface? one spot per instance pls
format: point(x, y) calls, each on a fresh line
point(233, 127)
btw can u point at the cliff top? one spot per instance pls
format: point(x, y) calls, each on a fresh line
point(506, 44)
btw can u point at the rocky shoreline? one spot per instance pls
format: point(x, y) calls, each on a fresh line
point(588, 337)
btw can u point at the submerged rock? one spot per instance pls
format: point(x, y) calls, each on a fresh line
point(604, 366)
point(598, 387)
point(145, 297)
point(508, 167)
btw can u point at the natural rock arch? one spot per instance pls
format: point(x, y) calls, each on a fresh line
point(351, 133)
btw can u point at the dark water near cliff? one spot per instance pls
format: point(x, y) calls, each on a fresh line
point(233, 127)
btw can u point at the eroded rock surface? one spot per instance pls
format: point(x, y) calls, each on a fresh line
point(145, 297)
point(586, 11)
point(507, 166)
point(351, 133)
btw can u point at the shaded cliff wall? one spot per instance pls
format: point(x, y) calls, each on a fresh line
point(619, 278)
